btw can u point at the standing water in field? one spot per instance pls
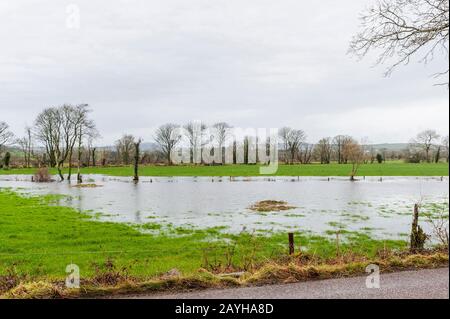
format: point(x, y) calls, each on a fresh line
point(382, 208)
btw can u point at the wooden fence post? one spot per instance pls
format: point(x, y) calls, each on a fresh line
point(137, 145)
point(291, 243)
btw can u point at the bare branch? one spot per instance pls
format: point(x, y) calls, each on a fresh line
point(402, 29)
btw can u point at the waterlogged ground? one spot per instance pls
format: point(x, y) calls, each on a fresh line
point(379, 207)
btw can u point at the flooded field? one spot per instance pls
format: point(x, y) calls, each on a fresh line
point(381, 207)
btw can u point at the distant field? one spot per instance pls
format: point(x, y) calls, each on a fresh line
point(386, 169)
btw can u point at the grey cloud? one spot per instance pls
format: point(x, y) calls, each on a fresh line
point(254, 63)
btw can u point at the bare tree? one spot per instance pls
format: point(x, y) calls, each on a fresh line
point(29, 145)
point(337, 146)
point(84, 129)
point(372, 154)
point(166, 140)
point(59, 129)
point(222, 132)
point(68, 134)
point(90, 152)
point(137, 146)
point(439, 223)
point(323, 150)
point(22, 143)
point(292, 140)
point(305, 153)
point(194, 133)
point(104, 158)
point(25, 144)
point(437, 155)
point(47, 131)
point(425, 140)
point(296, 140)
point(354, 153)
point(124, 148)
point(55, 129)
point(404, 29)
point(6, 136)
point(283, 133)
point(445, 146)
point(339, 143)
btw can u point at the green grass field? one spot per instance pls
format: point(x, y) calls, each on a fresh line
point(40, 239)
point(385, 169)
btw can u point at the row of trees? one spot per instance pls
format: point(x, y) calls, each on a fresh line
point(65, 135)
point(166, 138)
point(6, 136)
point(326, 150)
point(428, 146)
point(61, 131)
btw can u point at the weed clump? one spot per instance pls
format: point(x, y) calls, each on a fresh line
point(10, 280)
point(35, 290)
point(87, 185)
point(418, 236)
point(108, 274)
point(42, 175)
point(270, 206)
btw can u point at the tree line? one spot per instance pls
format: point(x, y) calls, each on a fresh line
point(65, 136)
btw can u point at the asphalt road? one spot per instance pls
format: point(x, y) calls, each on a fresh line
point(422, 284)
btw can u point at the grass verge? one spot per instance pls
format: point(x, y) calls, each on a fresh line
point(295, 269)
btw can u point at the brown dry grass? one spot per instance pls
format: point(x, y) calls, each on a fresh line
point(87, 185)
point(42, 175)
point(111, 282)
point(270, 206)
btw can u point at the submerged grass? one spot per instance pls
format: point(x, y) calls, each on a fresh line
point(39, 239)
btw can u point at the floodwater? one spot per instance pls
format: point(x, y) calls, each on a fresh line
point(381, 207)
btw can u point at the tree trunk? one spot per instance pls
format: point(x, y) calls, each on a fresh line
point(29, 148)
point(169, 160)
point(61, 176)
point(438, 155)
point(52, 159)
point(69, 175)
point(93, 157)
point(339, 155)
point(136, 161)
point(79, 178)
point(353, 173)
point(88, 162)
point(418, 237)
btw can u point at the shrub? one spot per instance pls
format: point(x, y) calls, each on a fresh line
point(42, 176)
point(7, 159)
point(380, 158)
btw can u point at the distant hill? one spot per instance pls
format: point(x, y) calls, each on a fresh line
point(149, 146)
point(144, 147)
point(153, 146)
point(390, 146)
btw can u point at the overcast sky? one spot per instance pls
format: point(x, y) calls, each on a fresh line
point(252, 63)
